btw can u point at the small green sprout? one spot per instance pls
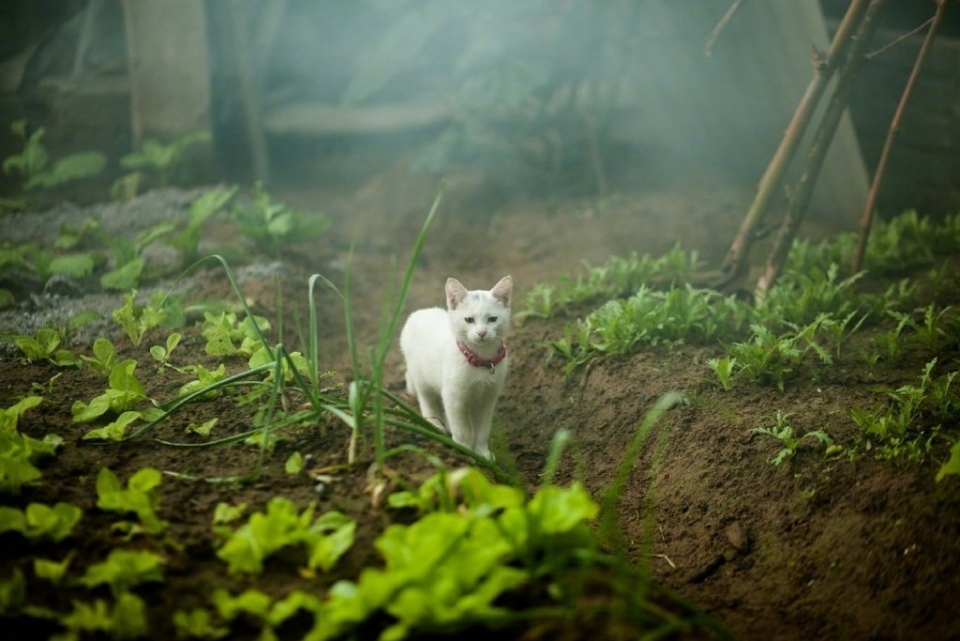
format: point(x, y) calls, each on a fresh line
point(784, 432)
point(724, 368)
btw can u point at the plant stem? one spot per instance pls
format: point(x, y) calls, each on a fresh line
point(867, 220)
point(803, 192)
point(724, 21)
point(735, 263)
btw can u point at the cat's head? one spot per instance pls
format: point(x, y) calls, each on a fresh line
point(479, 316)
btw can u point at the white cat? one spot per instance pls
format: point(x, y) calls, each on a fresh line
point(457, 360)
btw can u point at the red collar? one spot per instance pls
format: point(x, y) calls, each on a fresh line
point(476, 361)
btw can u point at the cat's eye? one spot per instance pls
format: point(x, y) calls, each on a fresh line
point(492, 319)
point(469, 320)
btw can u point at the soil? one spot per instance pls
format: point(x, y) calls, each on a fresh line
point(845, 547)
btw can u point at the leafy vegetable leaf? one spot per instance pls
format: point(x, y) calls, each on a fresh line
point(294, 464)
point(52, 571)
point(139, 497)
point(123, 570)
point(124, 277)
point(72, 265)
point(952, 466)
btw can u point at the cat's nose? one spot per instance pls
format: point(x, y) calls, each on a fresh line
point(481, 333)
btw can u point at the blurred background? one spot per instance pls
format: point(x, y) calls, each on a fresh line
point(566, 96)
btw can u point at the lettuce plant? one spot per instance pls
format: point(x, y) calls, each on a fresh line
point(139, 497)
point(197, 623)
point(40, 520)
point(325, 538)
point(104, 357)
point(32, 162)
point(123, 393)
point(137, 321)
point(251, 604)
point(121, 397)
point(223, 330)
point(45, 346)
point(52, 571)
point(126, 619)
point(475, 542)
point(123, 570)
point(19, 452)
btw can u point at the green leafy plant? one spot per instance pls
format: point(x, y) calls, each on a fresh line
point(653, 317)
point(225, 514)
point(31, 258)
point(783, 431)
point(205, 382)
point(952, 465)
point(31, 163)
point(617, 278)
point(161, 353)
point(891, 343)
point(447, 569)
point(39, 520)
point(104, 357)
point(294, 463)
point(272, 225)
point(768, 357)
point(53, 571)
point(18, 452)
point(257, 607)
point(125, 276)
point(125, 618)
point(931, 331)
point(724, 368)
point(203, 429)
point(158, 163)
point(137, 321)
point(124, 570)
point(324, 538)
point(45, 345)
point(800, 297)
point(224, 330)
point(205, 206)
point(908, 423)
point(139, 497)
point(121, 398)
point(197, 623)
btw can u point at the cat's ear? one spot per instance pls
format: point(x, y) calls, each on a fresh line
point(503, 290)
point(456, 292)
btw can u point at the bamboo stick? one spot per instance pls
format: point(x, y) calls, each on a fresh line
point(803, 191)
point(735, 263)
point(867, 219)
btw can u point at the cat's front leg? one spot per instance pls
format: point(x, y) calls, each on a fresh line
point(481, 429)
point(466, 426)
point(431, 408)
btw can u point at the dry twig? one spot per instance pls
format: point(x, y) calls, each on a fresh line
point(735, 263)
point(802, 193)
point(867, 220)
point(724, 21)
